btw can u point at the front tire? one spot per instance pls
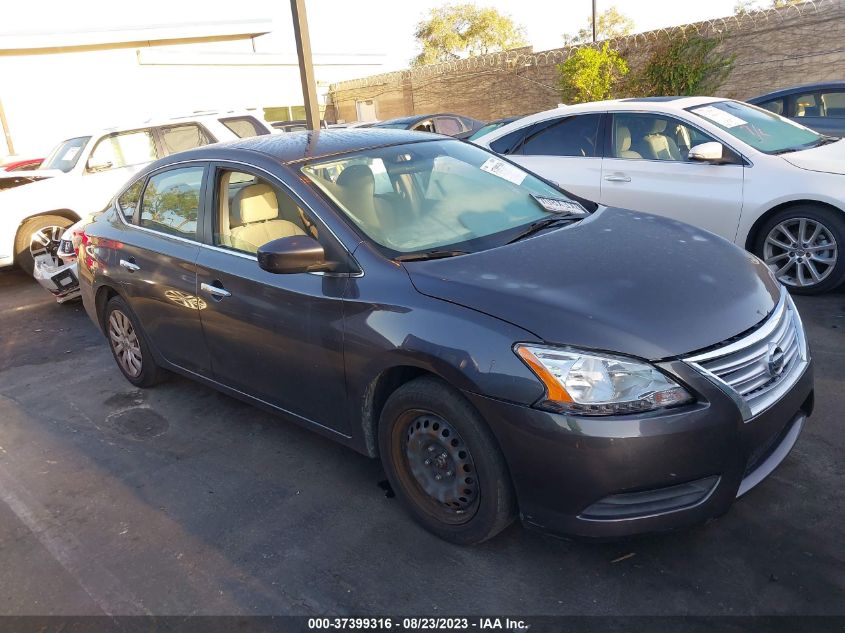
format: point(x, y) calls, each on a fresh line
point(37, 236)
point(444, 463)
point(129, 345)
point(803, 246)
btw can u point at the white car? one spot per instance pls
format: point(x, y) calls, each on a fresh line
point(757, 179)
point(86, 171)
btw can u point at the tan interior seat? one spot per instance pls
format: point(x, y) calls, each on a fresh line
point(254, 219)
point(356, 190)
point(659, 146)
point(623, 143)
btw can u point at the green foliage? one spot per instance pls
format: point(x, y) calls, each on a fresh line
point(682, 66)
point(459, 30)
point(610, 24)
point(590, 74)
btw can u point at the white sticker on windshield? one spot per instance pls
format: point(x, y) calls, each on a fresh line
point(70, 154)
point(725, 119)
point(558, 205)
point(500, 168)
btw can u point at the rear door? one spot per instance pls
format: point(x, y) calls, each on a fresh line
point(565, 150)
point(156, 262)
point(647, 169)
point(278, 338)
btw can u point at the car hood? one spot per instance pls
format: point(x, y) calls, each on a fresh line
point(620, 281)
point(828, 158)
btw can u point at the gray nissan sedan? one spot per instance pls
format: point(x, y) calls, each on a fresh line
point(505, 348)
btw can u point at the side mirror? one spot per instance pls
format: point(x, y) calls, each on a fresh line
point(295, 254)
point(95, 165)
point(711, 152)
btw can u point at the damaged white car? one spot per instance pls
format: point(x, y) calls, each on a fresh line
point(55, 266)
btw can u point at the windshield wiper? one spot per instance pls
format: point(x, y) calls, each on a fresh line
point(824, 140)
point(422, 255)
point(539, 225)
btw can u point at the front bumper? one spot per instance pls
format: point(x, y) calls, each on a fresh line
point(611, 477)
point(59, 279)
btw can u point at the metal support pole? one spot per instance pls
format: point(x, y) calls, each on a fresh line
point(594, 21)
point(6, 133)
point(306, 68)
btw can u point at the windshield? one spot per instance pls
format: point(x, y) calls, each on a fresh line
point(434, 194)
point(66, 154)
point(763, 130)
point(484, 130)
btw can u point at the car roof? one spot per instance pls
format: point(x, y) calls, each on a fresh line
point(419, 117)
point(820, 85)
point(656, 104)
point(166, 121)
point(310, 144)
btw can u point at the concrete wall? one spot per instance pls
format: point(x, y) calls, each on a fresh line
point(773, 49)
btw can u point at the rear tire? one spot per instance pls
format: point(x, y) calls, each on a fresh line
point(811, 263)
point(444, 463)
point(129, 345)
point(48, 227)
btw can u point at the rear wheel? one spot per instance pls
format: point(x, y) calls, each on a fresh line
point(444, 463)
point(129, 345)
point(39, 237)
point(802, 246)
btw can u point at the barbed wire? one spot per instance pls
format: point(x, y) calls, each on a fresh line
point(525, 57)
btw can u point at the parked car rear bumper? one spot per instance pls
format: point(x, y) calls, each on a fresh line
point(606, 478)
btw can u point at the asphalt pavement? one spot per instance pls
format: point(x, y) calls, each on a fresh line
point(179, 500)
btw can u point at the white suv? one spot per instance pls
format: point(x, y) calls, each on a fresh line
point(86, 171)
point(759, 180)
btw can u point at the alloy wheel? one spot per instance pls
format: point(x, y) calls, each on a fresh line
point(45, 241)
point(441, 467)
point(801, 252)
point(125, 343)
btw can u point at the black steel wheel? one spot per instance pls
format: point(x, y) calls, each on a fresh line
point(444, 463)
point(441, 465)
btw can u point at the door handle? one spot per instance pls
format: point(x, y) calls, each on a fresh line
point(215, 290)
point(617, 178)
point(130, 266)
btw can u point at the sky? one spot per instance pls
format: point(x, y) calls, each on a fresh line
point(383, 27)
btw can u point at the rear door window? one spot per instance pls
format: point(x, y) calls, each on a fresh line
point(448, 125)
point(806, 105)
point(244, 126)
point(571, 136)
point(171, 201)
point(179, 138)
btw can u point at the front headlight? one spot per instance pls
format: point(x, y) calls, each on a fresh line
point(599, 384)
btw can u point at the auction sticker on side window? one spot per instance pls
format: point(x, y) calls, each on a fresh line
point(500, 168)
point(725, 119)
point(558, 205)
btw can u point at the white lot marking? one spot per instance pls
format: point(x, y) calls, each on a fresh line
point(100, 584)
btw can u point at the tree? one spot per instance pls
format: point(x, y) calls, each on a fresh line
point(590, 74)
point(460, 30)
point(749, 6)
point(610, 24)
point(681, 66)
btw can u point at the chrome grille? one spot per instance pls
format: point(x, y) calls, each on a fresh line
point(758, 369)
